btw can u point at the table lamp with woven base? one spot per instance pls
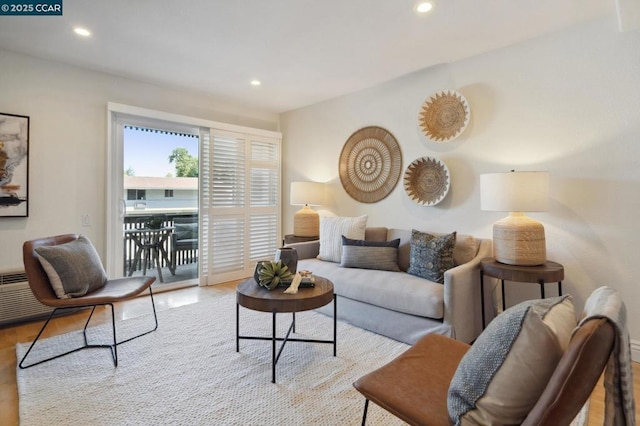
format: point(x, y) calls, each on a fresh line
point(306, 222)
point(517, 239)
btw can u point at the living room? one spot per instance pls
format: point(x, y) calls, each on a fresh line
point(563, 102)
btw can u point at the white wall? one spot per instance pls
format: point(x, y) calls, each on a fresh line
point(67, 107)
point(568, 103)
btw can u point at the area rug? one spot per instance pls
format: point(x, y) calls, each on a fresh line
point(188, 372)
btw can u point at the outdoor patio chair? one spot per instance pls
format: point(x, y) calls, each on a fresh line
point(184, 238)
point(68, 257)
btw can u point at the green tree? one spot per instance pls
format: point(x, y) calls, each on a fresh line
point(130, 172)
point(186, 164)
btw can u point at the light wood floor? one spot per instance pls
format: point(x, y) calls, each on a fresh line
point(26, 332)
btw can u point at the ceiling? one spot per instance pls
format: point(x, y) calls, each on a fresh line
point(303, 51)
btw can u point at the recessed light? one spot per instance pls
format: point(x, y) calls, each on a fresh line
point(255, 82)
point(82, 31)
point(424, 7)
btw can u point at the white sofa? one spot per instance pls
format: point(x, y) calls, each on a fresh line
point(401, 306)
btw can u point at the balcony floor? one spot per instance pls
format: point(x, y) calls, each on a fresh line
point(185, 272)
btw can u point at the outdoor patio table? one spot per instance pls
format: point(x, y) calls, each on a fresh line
point(150, 242)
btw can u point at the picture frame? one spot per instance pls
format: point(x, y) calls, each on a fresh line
point(14, 165)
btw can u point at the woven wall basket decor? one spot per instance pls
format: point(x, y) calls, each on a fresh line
point(444, 116)
point(370, 164)
point(427, 181)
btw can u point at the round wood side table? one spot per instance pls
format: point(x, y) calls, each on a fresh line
point(540, 274)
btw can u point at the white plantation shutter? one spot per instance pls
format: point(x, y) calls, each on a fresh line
point(228, 243)
point(263, 190)
point(229, 171)
point(263, 231)
point(205, 202)
point(242, 203)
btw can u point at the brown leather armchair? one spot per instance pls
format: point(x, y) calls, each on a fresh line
point(114, 290)
point(414, 386)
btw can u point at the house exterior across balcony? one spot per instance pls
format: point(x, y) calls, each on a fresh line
point(160, 195)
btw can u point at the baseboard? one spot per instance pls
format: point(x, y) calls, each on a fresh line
point(635, 350)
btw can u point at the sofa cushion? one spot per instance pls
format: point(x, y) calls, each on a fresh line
point(74, 268)
point(376, 233)
point(397, 291)
point(465, 249)
point(503, 374)
point(331, 231)
point(431, 256)
point(382, 255)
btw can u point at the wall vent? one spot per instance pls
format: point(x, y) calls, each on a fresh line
point(17, 303)
point(13, 277)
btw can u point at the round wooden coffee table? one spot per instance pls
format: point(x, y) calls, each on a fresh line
point(251, 296)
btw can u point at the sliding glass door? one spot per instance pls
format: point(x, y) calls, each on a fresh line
point(189, 200)
point(160, 187)
point(152, 199)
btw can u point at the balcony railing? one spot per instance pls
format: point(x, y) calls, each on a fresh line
point(182, 257)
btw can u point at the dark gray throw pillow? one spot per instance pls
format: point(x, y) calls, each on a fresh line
point(430, 256)
point(74, 268)
point(381, 255)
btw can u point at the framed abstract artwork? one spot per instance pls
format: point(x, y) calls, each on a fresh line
point(14, 165)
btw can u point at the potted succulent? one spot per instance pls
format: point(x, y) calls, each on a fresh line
point(269, 274)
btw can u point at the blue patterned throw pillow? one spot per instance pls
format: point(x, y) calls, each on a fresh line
point(430, 256)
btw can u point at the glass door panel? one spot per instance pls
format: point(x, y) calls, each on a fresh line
point(160, 187)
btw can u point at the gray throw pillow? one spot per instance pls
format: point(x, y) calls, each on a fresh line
point(74, 268)
point(430, 256)
point(381, 255)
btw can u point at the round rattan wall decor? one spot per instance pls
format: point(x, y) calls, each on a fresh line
point(370, 164)
point(427, 181)
point(444, 116)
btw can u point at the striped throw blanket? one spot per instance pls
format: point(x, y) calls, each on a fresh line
point(605, 302)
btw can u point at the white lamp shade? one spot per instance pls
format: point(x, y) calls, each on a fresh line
point(307, 193)
point(514, 191)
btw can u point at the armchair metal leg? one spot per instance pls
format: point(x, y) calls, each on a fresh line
point(155, 318)
point(364, 414)
point(113, 347)
point(36, 339)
